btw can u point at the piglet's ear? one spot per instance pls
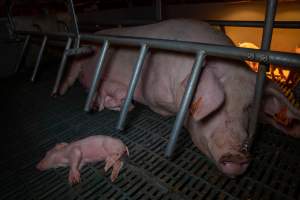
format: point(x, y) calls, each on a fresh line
point(209, 95)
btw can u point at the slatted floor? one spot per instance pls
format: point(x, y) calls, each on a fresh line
point(33, 122)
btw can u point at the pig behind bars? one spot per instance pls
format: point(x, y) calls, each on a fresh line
point(90, 149)
point(219, 114)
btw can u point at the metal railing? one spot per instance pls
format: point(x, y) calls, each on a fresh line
point(200, 50)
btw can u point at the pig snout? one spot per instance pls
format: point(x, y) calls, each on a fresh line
point(233, 165)
point(41, 166)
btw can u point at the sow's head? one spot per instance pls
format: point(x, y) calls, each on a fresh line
point(221, 110)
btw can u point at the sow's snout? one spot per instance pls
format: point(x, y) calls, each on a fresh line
point(233, 165)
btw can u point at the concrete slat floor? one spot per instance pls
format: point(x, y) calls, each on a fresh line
point(33, 122)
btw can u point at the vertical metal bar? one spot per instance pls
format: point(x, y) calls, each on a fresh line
point(185, 102)
point(37, 64)
point(74, 22)
point(97, 76)
point(261, 76)
point(133, 83)
point(22, 53)
point(12, 26)
point(61, 67)
point(158, 10)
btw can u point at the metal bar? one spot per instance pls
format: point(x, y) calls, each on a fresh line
point(114, 22)
point(158, 10)
point(22, 53)
point(97, 76)
point(186, 101)
point(74, 22)
point(280, 58)
point(81, 50)
point(37, 64)
point(53, 35)
point(61, 67)
point(288, 60)
point(261, 76)
point(133, 83)
point(12, 26)
point(277, 24)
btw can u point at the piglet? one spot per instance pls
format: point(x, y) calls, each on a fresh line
point(90, 149)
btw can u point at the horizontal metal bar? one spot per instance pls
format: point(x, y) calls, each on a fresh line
point(185, 102)
point(58, 35)
point(81, 50)
point(288, 60)
point(87, 25)
point(277, 24)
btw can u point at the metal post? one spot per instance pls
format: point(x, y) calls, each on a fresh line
point(37, 64)
point(74, 22)
point(97, 76)
point(185, 102)
point(22, 53)
point(61, 67)
point(12, 26)
point(158, 10)
point(133, 83)
point(261, 76)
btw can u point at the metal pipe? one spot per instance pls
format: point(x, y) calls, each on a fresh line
point(22, 53)
point(186, 101)
point(53, 35)
point(288, 60)
point(261, 76)
point(61, 67)
point(9, 5)
point(98, 71)
point(37, 64)
point(280, 58)
point(158, 10)
point(74, 23)
point(133, 83)
point(277, 24)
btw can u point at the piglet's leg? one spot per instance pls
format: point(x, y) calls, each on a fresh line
point(75, 160)
point(110, 161)
point(116, 169)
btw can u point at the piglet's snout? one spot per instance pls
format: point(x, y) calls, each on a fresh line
point(40, 166)
point(234, 164)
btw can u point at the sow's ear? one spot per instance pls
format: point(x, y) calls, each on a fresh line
point(209, 95)
point(280, 108)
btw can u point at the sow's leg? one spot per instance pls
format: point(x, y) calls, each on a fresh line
point(111, 95)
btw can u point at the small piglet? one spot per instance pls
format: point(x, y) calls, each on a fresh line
point(90, 149)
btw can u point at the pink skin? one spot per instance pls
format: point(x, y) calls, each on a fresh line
point(90, 149)
point(221, 108)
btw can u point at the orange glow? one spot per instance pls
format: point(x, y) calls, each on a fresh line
point(275, 73)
